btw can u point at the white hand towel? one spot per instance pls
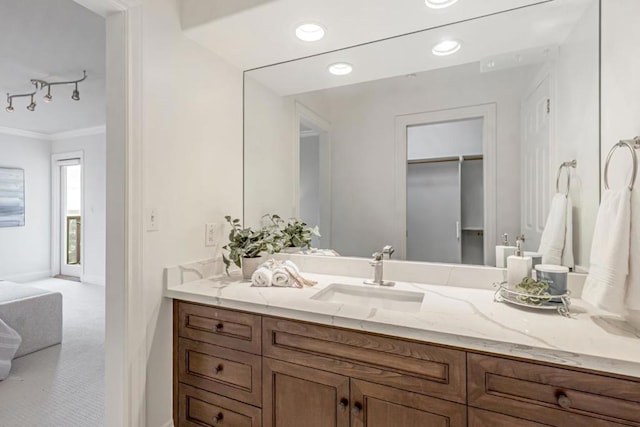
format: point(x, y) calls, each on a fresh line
point(282, 278)
point(606, 282)
point(555, 230)
point(262, 277)
point(567, 251)
point(10, 340)
point(632, 300)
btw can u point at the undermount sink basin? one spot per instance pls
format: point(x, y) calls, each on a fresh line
point(374, 297)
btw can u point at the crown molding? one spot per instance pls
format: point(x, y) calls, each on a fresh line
point(77, 133)
point(24, 133)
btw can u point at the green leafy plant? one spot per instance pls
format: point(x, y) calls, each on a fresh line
point(294, 232)
point(248, 243)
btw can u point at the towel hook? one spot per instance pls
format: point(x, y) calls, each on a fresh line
point(632, 145)
point(571, 164)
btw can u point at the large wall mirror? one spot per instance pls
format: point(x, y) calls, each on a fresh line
point(436, 142)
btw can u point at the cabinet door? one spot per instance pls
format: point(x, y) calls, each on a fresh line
point(295, 396)
point(374, 405)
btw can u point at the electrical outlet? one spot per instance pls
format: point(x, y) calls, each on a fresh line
point(211, 234)
point(152, 219)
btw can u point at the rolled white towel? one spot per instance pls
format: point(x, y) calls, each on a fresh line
point(262, 277)
point(9, 342)
point(282, 278)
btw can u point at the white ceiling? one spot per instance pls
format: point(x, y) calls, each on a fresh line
point(52, 40)
point(532, 33)
point(255, 33)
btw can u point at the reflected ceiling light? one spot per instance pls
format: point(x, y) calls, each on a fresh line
point(439, 4)
point(40, 84)
point(47, 98)
point(9, 108)
point(310, 32)
point(340, 69)
point(447, 47)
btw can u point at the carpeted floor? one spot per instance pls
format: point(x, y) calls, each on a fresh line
point(63, 385)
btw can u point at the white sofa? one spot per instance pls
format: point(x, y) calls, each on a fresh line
point(36, 315)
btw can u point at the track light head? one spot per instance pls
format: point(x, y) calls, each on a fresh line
point(47, 98)
point(76, 95)
point(9, 108)
point(31, 106)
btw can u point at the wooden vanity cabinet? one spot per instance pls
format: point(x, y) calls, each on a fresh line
point(244, 370)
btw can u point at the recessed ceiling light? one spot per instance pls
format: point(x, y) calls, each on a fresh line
point(310, 32)
point(446, 47)
point(439, 4)
point(340, 69)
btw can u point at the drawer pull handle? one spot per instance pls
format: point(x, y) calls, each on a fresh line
point(357, 408)
point(219, 327)
point(564, 401)
point(219, 369)
point(218, 419)
point(344, 404)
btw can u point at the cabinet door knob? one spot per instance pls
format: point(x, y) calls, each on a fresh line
point(357, 408)
point(343, 404)
point(219, 327)
point(219, 369)
point(563, 400)
point(218, 419)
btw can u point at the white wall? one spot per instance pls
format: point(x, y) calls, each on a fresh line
point(445, 139)
point(25, 251)
point(363, 131)
point(620, 89)
point(94, 181)
point(310, 181)
point(577, 128)
point(192, 154)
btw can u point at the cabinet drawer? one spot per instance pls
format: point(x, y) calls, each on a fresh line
point(407, 365)
point(240, 331)
point(482, 418)
point(199, 408)
point(220, 370)
point(553, 396)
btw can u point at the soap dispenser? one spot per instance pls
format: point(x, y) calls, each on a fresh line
point(518, 266)
point(504, 251)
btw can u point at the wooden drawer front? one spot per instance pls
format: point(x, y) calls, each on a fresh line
point(221, 370)
point(199, 408)
point(374, 405)
point(240, 331)
point(558, 397)
point(411, 366)
point(482, 418)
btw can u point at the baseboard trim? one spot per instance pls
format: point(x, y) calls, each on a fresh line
point(168, 423)
point(93, 280)
point(27, 277)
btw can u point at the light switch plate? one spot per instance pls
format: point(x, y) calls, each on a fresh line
point(152, 220)
point(211, 234)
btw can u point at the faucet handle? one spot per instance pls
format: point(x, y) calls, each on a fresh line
point(387, 251)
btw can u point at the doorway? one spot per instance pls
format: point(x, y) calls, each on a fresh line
point(445, 194)
point(71, 218)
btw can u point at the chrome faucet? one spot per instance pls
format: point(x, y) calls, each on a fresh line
point(377, 263)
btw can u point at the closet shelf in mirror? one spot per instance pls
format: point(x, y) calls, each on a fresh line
point(446, 159)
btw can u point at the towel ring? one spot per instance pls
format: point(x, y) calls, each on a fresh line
point(631, 145)
point(571, 164)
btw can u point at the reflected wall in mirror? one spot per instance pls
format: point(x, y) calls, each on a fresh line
point(438, 156)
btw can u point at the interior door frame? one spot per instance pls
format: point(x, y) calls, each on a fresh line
point(125, 326)
point(487, 112)
point(56, 210)
point(304, 113)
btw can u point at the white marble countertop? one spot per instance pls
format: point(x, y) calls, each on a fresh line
point(454, 316)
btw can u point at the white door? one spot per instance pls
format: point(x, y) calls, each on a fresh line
point(433, 212)
point(70, 217)
point(535, 180)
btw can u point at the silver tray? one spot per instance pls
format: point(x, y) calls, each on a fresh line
point(560, 303)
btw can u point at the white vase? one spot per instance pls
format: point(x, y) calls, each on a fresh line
point(249, 266)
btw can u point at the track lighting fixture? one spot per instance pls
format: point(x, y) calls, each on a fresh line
point(31, 106)
point(76, 95)
point(41, 84)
